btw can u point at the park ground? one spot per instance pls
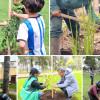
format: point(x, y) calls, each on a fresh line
point(44, 12)
point(53, 80)
point(3, 10)
point(86, 83)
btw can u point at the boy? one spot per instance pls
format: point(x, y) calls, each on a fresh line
point(31, 31)
point(67, 7)
point(94, 91)
point(68, 83)
point(30, 90)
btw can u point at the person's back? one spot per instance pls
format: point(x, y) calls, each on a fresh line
point(71, 4)
point(93, 92)
point(31, 31)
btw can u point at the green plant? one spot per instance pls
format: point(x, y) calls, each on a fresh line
point(47, 82)
point(89, 28)
point(9, 32)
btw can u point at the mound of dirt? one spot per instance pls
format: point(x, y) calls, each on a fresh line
point(56, 96)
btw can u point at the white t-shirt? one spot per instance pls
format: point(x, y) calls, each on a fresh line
point(38, 27)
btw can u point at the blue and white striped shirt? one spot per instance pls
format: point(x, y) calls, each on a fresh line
point(32, 31)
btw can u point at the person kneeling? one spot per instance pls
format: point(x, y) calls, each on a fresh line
point(94, 92)
point(68, 83)
point(30, 90)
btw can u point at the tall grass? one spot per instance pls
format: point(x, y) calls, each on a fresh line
point(88, 26)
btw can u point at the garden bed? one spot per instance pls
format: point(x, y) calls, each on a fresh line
point(66, 45)
point(56, 96)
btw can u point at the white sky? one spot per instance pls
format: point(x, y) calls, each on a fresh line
point(12, 58)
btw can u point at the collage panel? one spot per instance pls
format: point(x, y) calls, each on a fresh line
point(50, 50)
point(69, 68)
point(34, 76)
point(24, 27)
point(49, 78)
point(74, 27)
point(8, 73)
point(91, 78)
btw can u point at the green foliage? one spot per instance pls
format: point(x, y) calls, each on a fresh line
point(9, 32)
point(89, 30)
point(90, 61)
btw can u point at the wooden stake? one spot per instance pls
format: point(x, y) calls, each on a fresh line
point(9, 9)
point(75, 19)
point(52, 93)
point(69, 17)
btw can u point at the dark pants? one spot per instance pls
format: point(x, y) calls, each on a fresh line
point(56, 24)
point(73, 26)
point(92, 97)
point(65, 92)
point(92, 79)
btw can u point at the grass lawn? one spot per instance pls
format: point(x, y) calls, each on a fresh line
point(44, 12)
point(86, 83)
point(54, 80)
point(3, 10)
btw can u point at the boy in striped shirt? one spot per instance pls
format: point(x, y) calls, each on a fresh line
point(31, 31)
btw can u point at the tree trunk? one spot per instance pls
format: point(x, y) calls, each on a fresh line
point(31, 62)
point(6, 74)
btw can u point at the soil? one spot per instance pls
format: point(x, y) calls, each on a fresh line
point(66, 45)
point(57, 96)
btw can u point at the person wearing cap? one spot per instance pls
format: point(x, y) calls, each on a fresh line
point(30, 90)
point(68, 84)
point(94, 91)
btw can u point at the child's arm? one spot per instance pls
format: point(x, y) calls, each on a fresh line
point(22, 46)
point(23, 16)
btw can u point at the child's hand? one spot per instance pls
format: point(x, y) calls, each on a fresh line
point(13, 13)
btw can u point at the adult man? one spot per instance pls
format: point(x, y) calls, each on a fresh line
point(67, 7)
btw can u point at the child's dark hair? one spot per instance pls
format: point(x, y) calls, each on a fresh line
point(33, 6)
point(34, 71)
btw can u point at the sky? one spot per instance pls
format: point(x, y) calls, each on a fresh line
point(12, 58)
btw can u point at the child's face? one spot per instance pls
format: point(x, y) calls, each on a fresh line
point(61, 73)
